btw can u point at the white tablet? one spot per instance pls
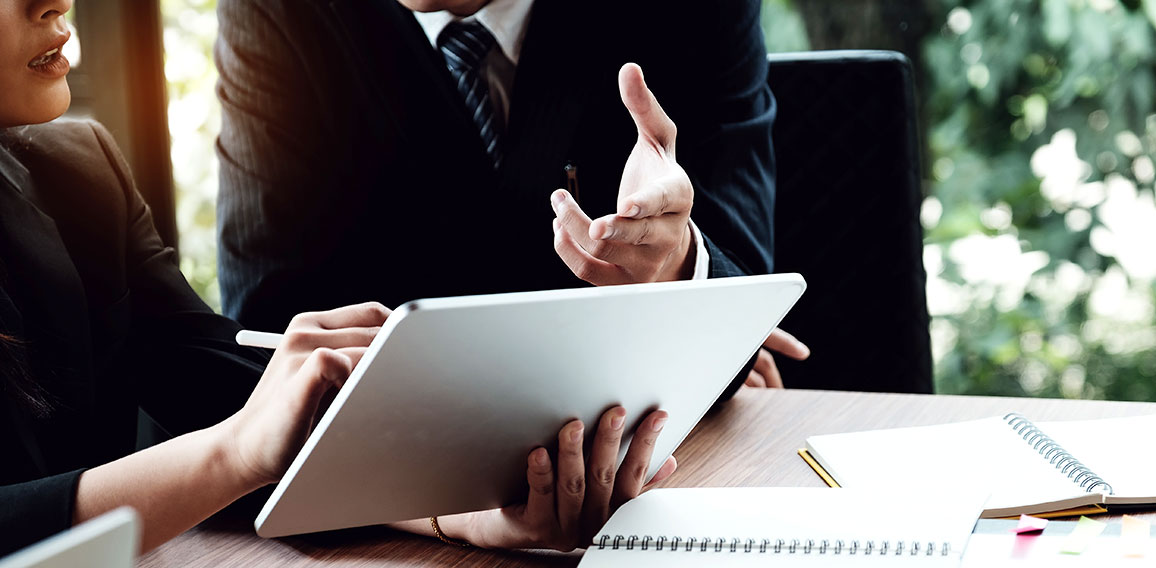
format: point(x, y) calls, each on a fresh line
point(454, 393)
point(108, 541)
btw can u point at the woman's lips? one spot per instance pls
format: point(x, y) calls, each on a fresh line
point(52, 62)
point(44, 59)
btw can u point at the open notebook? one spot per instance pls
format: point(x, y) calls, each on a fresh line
point(1029, 468)
point(785, 526)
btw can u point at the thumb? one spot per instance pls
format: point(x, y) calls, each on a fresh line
point(652, 122)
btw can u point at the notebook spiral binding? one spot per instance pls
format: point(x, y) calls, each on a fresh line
point(1056, 454)
point(777, 546)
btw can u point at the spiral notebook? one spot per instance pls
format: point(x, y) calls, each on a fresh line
point(1029, 468)
point(785, 526)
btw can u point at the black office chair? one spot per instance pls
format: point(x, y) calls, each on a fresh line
point(847, 219)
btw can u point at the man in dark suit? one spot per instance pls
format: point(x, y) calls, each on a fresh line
point(399, 149)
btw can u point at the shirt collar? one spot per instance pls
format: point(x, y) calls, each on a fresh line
point(506, 19)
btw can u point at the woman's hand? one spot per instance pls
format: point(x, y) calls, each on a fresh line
point(569, 501)
point(316, 356)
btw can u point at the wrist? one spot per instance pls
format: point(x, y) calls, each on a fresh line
point(227, 451)
point(680, 265)
point(458, 528)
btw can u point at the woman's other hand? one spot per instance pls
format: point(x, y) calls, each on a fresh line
point(570, 500)
point(315, 357)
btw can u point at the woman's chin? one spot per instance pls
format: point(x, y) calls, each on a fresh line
point(45, 106)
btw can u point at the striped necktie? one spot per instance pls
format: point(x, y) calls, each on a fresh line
point(465, 45)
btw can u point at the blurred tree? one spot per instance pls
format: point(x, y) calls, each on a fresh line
point(1040, 222)
point(190, 28)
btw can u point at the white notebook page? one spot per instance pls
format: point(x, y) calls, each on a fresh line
point(1120, 450)
point(983, 454)
point(803, 514)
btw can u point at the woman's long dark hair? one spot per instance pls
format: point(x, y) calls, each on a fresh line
point(16, 381)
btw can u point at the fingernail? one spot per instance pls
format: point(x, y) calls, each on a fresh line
point(658, 424)
point(605, 233)
point(576, 434)
point(540, 457)
point(616, 422)
point(634, 210)
point(557, 198)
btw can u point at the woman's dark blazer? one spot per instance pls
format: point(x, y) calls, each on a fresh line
point(104, 320)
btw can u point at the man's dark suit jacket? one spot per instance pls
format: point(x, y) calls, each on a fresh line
point(350, 170)
point(105, 322)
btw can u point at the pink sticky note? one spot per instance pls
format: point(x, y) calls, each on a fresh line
point(1029, 524)
point(1134, 535)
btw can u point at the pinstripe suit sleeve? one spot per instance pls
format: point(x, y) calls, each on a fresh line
point(725, 136)
point(276, 217)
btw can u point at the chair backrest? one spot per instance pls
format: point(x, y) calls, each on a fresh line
point(847, 219)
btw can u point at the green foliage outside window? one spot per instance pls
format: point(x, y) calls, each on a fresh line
point(1040, 219)
point(190, 27)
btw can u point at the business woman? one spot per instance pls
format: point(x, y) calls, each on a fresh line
point(96, 322)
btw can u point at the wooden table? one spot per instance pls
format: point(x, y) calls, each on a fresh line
point(751, 442)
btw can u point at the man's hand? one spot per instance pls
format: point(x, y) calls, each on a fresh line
point(649, 239)
point(765, 373)
point(570, 498)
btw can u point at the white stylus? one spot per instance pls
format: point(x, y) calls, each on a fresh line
point(258, 339)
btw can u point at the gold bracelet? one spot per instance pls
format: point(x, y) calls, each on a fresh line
point(433, 522)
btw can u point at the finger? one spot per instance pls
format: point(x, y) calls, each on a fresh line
point(664, 472)
point(369, 314)
point(756, 379)
point(323, 369)
point(774, 379)
point(648, 231)
point(571, 484)
point(632, 473)
point(583, 265)
point(540, 511)
point(765, 367)
point(355, 355)
point(573, 219)
point(651, 120)
point(600, 472)
point(672, 194)
point(785, 343)
point(303, 338)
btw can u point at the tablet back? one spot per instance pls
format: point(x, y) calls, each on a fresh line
point(454, 393)
point(108, 541)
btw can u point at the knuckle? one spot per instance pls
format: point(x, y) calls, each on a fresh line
point(603, 476)
point(575, 485)
point(302, 320)
point(570, 450)
point(377, 311)
point(609, 438)
point(585, 270)
point(644, 234)
point(637, 471)
point(297, 338)
point(544, 489)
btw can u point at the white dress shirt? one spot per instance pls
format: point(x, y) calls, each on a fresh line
point(506, 20)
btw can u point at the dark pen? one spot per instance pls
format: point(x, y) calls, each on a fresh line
point(571, 171)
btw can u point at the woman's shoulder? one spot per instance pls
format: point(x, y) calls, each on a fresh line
point(71, 162)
